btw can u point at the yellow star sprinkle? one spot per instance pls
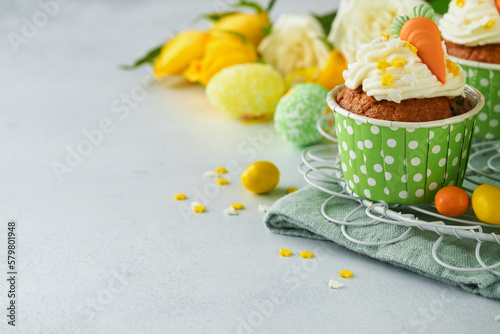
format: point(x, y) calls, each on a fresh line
point(452, 68)
point(382, 65)
point(411, 47)
point(386, 36)
point(238, 206)
point(387, 80)
point(345, 273)
point(398, 62)
point(285, 252)
point(306, 255)
point(460, 3)
point(180, 197)
point(291, 190)
point(198, 209)
point(489, 24)
point(221, 170)
point(221, 181)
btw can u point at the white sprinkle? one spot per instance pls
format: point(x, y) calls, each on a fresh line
point(410, 61)
point(409, 79)
point(263, 208)
point(393, 43)
point(395, 95)
point(193, 204)
point(497, 318)
point(210, 174)
point(230, 211)
point(333, 284)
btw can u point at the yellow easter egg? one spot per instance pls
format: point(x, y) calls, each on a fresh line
point(260, 177)
point(486, 203)
point(247, 91)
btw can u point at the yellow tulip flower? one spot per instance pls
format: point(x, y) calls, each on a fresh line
point(177, 54)
point(250, 25)
point(222, 50)
point(331, 74)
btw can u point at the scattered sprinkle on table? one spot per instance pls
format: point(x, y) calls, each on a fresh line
point(210, 174)
point(180, 197)
point(221, 170)
point(230, 211)
point(497, 318)
point(306, 255)
point(291, 190)
point(263, 208)
point(237, 206)
point(198, 209)
point(285, 252)
point(221, 181)
point(345, 273)
point(333, 284)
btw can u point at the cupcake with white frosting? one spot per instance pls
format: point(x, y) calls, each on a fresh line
point(405, 117)
point(471, 30)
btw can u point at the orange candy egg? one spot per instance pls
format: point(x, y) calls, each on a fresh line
point(452, 201)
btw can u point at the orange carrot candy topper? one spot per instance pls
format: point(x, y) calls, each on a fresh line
point(421, 31)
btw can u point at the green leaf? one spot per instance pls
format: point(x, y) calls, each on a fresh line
point(149, 58)
point(249, 4)
point(211, 16)
point(440, 6)
point(326, 20)
point(270, 5)
point(327, 42)
point(267, 30)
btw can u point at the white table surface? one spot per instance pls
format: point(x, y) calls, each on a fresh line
point(107, 249)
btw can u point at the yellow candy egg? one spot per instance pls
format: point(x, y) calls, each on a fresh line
point(486, 202)
point(247, 91)
point(260, 177)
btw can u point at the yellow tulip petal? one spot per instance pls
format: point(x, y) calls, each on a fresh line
point(177, 54)
point(331, 74)
point(250, 25)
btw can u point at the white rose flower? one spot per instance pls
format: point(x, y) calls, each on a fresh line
point(295, 44)
point(360, 21)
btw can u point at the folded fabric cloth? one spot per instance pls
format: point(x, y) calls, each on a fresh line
point(298, 214)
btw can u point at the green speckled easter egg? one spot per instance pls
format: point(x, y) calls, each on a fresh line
point(298, 111)
point(247, 91)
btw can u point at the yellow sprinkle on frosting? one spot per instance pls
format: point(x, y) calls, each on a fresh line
point(180, 197)
point(460, 3)
point(222, 181)
point(387, 80)
point(199, 209)
point(285, 252)
point(386, 36)
point(398, 62)
point(383, 65)
point(306, 254)
point(452, 68)
point(489, 24)
point(221, 170)
point(237, 206)
point(345, 273)
point(411, 47)
point(291, 190)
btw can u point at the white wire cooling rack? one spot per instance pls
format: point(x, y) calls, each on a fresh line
point(321, 169)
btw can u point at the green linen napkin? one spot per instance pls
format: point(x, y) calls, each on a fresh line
point(298, 214)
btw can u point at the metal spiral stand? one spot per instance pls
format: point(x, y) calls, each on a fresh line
point(321, 169)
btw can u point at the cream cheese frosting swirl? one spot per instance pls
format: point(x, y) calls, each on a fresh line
point(471, 23)
point(391, 70)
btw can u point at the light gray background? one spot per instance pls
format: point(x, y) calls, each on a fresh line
point(107, 250)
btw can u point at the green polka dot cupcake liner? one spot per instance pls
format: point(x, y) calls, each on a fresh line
point(485, 78)
point(403, 162)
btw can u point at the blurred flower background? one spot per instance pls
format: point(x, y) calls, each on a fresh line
point(301, 48)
